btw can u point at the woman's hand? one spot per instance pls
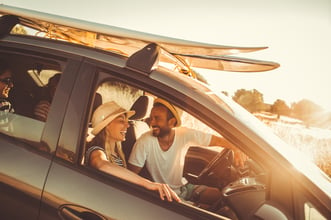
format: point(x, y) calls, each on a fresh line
point(164, 191)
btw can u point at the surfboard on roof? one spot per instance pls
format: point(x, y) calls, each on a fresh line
point(127, 42)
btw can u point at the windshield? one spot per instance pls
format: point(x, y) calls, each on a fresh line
point(301, 161)
point(245, 124)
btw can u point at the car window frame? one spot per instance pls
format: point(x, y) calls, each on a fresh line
point(97, 75)
point(24, 46)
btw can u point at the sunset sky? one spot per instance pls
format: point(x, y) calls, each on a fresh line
point(297, 32)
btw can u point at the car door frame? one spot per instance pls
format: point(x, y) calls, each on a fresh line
point(29, 164)
point(71, 139)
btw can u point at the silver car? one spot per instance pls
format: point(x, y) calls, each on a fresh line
point(42, 169)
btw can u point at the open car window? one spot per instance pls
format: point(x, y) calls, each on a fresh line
point(204, 166)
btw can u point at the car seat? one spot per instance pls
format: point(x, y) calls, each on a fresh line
point(138, 125)
point(96, 103)
point(142, 106)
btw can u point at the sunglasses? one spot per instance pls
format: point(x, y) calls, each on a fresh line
point(7, 80)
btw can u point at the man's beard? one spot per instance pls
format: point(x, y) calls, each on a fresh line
point(162, 132)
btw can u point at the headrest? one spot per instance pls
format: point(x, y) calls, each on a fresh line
point(7, 22)
point(142, 106)
point(97, 101)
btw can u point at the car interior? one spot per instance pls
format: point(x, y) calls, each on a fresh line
point(30, 77)
point(243, 188)
point(30, 80)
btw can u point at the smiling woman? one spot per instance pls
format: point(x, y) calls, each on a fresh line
point(109, 125)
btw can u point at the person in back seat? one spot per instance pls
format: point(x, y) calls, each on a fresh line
point(6, 83)
point(109, 126)
point(41, 110)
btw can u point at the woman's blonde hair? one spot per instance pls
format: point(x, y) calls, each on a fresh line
point(100, 140)
point(118, 150)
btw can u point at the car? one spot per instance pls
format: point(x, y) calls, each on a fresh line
point(42, 169)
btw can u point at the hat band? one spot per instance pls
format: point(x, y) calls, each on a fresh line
point(114, 113)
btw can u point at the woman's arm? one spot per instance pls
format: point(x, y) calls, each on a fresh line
point(99, 161)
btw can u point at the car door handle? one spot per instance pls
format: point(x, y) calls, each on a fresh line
point(76, 212)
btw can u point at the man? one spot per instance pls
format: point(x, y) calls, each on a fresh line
point(163, 148)
point(42, 108)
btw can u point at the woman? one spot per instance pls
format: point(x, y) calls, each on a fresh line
point(109, 126)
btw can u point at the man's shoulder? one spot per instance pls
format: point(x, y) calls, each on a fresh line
point(184, 130)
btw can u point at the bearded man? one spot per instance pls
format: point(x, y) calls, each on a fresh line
point(164, 147)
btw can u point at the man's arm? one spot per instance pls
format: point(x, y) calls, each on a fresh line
point(221, 141)
point(239, 157)
point(134, 168)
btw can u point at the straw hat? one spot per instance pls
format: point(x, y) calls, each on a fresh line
point(175, 111)
point(105, 113)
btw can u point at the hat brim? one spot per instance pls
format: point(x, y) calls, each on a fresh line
point(171, 108)
point(105, 122)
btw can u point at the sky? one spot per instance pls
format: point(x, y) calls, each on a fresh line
point(297, 32)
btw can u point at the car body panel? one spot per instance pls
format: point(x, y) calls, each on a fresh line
point(113, 201)
point(23, 174)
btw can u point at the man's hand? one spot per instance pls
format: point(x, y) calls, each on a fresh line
point(239, 158)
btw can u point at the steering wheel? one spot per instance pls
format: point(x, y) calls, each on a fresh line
point(224, 157)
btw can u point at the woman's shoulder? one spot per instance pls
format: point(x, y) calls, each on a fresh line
point(89, 151)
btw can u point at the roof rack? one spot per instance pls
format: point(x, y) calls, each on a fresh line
point(185, 55)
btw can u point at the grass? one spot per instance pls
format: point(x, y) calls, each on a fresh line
point(314, 142)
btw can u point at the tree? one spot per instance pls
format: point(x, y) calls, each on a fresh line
point(251, 100)
point(279, 107)
point(305, 110)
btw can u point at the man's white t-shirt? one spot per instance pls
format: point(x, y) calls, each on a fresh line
point(167, 166)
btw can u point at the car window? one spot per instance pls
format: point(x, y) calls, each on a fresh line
point(108, 91)
point(312, 213)
point(30, 93)
point(223, 178)
point(121, 93)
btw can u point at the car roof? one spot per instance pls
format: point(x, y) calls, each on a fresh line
point(127, 42)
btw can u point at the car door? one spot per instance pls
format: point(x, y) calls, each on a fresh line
point(74, 191)
point(27, 144)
